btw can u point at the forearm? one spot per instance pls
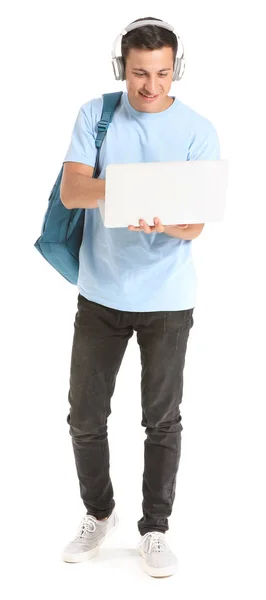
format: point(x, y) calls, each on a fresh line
point(190, 233)
point(82, 191)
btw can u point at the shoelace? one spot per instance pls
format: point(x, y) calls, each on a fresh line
point(88, 525)
point(156, 541)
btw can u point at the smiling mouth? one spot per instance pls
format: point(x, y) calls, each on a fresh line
point(147, 95)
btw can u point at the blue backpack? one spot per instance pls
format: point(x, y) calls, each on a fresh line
point(62, 228)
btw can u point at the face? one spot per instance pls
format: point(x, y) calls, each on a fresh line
point(148, 78)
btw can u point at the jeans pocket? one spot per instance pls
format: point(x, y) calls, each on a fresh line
point(178, 320)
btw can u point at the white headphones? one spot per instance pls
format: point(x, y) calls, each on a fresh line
point(117, 61)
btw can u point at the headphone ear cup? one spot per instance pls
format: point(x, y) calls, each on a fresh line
point(118, 66)
point(179, 69)
point(121, 69)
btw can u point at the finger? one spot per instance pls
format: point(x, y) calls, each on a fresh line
point(159, 227)
point(144, 226)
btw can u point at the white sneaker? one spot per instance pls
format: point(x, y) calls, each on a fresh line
point(91, 535)
point(157, 558)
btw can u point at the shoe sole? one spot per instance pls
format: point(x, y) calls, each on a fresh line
point(157, 572)
point(76, 558)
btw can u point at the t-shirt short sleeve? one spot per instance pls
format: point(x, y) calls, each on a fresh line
point(82, 147)
point(205, 145)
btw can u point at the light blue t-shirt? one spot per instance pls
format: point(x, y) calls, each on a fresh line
point(129, 270)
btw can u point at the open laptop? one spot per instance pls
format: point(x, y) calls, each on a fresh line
point(176, 192)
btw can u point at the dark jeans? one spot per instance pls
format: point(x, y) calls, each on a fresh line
point(101, 335)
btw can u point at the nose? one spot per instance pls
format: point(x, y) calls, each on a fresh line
point(150, 85)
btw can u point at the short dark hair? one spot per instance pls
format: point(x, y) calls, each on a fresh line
point(148, 37)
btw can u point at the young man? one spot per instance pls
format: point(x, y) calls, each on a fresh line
point(132, 279)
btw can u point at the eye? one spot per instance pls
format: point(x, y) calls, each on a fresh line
point(139, 74)
point(163, 74)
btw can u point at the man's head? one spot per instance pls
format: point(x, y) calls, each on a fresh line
point(149, 54)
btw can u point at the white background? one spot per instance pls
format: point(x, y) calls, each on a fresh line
point(55, 56)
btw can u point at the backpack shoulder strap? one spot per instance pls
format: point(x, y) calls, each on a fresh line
point(110, 102)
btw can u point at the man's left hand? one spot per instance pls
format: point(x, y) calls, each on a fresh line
point(157, 228)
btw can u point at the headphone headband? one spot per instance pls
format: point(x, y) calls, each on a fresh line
point(137, 24)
